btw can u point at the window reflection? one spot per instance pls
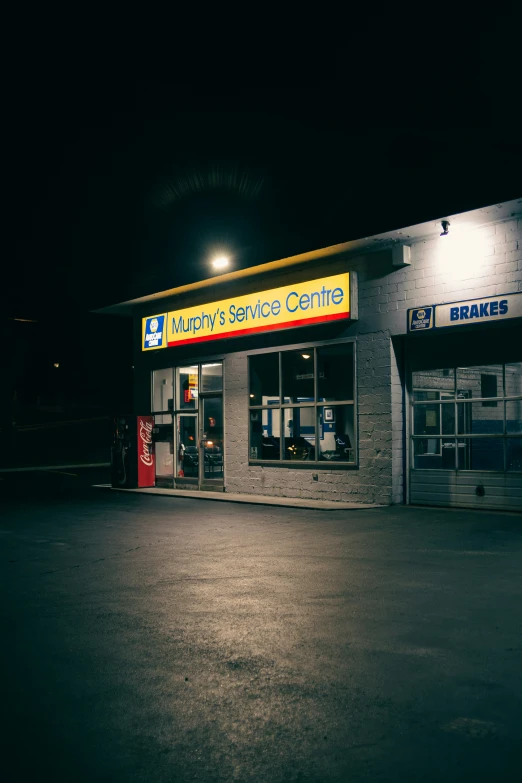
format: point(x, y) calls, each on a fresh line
point(265, 434)
point(484, 418)
point(514, 416)
point(480, 381)
point(163, 438)
point(212, 377)
point(298, 375)
point(187, 387)
point(305, 431)
point(264, 379)
point(299, 433)
point(162, 396)
point(335, 372)
point(433, 382)
point(475, 419)
point(514, 454)
point(514, 380)
point(336, 433)
point(486, 453)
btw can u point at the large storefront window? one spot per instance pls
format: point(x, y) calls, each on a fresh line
point(302, 405)
point(468, 418)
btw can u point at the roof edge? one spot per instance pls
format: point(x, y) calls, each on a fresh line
point(495, 213)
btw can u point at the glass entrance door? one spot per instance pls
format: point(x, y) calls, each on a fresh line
point(187, 468)
point(195, 419)
point(163, 450)
point(211, 441)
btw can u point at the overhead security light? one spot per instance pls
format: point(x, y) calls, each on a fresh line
point(445, 228)
point(221, 262)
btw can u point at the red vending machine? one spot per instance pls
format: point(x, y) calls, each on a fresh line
point(132, 452)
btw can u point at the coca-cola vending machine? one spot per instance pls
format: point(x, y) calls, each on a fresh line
point(132, 452)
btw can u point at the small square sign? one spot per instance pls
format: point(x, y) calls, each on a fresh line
point(420, 318)
point(154, 332)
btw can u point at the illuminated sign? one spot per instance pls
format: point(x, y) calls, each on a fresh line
point(472, 311)
point(154, 332)
point(300, 304)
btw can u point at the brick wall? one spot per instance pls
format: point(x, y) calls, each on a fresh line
point(493, 266)
point(371, 483)
point(385, 294)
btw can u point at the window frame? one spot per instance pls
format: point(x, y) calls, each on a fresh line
point(173, 368)
point(466, 403)
point(315, 405)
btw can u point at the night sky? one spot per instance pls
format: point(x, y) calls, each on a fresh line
point(122, 188)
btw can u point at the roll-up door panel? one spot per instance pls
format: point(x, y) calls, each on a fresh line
point(450, 488)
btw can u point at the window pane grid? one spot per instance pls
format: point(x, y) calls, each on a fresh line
point(461, 400)
point(183, 396)
point(478, 428)
point(469, 435)
point(297, 427)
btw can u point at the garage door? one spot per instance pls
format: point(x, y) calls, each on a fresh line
point(466, 436)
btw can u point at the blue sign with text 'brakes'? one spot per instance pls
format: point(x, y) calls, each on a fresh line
point(472, 311)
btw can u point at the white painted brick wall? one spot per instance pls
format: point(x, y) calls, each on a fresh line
point(497, 270)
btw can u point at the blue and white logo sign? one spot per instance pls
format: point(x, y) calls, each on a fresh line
point(154, 332)
point(472, 311)
point(420, 318)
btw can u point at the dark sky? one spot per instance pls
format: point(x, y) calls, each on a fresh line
point(124, 187)
point(117, 187)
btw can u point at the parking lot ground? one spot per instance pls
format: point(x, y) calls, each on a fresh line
point(158, 639)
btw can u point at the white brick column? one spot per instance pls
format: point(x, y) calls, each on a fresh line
point(375, 419)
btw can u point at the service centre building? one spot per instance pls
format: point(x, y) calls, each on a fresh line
point(383, 370)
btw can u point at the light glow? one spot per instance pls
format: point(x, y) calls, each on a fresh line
point(221, 262)
point(24, 320)
point(460, 253)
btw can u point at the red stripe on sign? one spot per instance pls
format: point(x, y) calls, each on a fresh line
point(257, 329)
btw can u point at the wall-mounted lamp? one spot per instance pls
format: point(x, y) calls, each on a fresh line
point(445, 228)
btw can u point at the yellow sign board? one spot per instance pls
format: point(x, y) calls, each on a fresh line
point(299, 304)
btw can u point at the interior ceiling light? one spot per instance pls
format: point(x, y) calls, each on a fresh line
point(445, 228)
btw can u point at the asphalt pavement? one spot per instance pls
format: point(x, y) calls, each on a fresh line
point(167, 639)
